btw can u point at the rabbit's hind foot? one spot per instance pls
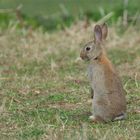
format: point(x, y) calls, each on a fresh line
point(121, 116)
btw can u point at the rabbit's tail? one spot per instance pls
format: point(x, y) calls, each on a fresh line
point(120, 117)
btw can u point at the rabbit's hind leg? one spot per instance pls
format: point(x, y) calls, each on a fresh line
point(121, 116)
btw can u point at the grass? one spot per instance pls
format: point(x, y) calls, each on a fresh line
point(52, 15)
point(47, 7)
point(44, 90)
point(120, 56)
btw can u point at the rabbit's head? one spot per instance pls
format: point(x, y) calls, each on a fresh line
point(93, 49)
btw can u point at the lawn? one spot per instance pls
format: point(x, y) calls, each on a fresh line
point(56, 14)
point(74, 7)
point(44, 87)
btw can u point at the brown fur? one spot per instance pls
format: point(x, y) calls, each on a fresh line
point(109, 99)
point(102, 102)
point(114, 86)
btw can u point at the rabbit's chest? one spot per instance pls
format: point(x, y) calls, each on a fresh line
point(96, 78)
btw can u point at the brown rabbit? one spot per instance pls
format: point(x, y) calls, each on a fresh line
point(109, 101)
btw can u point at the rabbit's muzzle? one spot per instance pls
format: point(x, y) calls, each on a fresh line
point(84, 56)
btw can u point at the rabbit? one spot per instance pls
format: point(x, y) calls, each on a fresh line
point(109, 102)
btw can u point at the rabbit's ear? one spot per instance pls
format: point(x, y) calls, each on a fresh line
point(104, 31)
point(97, 34)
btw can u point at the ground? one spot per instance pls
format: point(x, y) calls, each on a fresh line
point(44, 88)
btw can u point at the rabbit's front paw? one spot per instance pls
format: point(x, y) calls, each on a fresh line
point(91, 118)
point(96, 119)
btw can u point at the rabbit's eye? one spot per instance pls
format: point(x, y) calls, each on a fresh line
point(87, 48)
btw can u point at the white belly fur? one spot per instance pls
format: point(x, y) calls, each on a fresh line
point(97, 81)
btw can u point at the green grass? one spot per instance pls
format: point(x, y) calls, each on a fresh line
point(120, 56)
point(44, 89)
point(56, 14)
point(47, 7)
